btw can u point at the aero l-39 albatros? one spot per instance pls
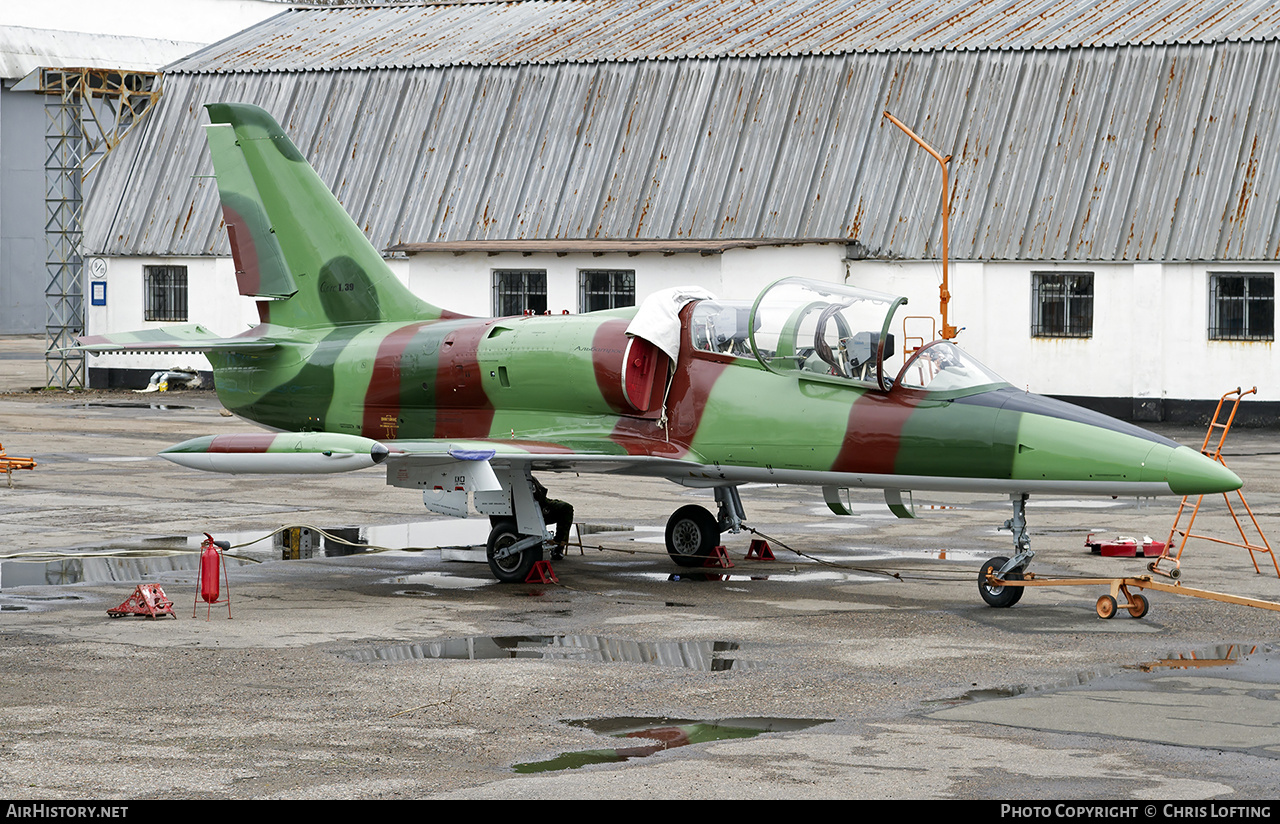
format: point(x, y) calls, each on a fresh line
point(800, 386)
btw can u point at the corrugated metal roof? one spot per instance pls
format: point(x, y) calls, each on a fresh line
point(23, 50)
point(1167, 152)
point(590, 31)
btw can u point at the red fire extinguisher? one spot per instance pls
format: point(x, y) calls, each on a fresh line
point(211, 569)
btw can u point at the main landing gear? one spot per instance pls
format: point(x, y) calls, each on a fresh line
point(1008, 569)
point(519, 534)
point(693, 532)
point(508, 563)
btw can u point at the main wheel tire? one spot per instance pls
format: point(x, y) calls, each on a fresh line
point(513, 569)
point(692, 535)
point(998, 597)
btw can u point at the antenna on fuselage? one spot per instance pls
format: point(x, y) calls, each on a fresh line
point(944, 293)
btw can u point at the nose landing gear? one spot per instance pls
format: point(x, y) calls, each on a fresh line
point(1008, 569)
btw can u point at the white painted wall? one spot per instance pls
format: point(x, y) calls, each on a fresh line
point(464, 283)
point(212, 301)
point(1150, 335)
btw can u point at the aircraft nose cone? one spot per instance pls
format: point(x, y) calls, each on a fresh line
point(1191, 473)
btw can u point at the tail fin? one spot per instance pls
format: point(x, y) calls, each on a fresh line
point(292, 241)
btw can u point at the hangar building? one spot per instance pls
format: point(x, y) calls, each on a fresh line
point(75, 75)
point(1114, 210)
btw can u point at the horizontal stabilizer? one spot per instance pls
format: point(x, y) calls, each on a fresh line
point(170, 339)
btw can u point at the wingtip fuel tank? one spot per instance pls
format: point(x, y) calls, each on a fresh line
point(286, 453)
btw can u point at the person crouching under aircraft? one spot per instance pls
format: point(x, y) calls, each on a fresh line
point(557, 512)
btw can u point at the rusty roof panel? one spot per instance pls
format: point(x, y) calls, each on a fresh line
point(1167, 152)
point(519, 32)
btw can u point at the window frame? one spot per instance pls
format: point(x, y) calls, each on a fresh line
point(615, 292)
point(504, 291)
point(165, 293)
point(1076, 316)
point(1251, 307)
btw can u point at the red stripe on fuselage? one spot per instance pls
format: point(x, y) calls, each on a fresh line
point(691, 386)
point(463, 410)
point(382, 398)
point(874, 433)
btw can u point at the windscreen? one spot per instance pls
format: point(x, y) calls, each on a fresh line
point(944, 367)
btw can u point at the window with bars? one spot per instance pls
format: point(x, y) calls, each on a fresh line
point(165, 289)
point(516, 291)
point(1062, 304)
point(606, 289)
point(1242, 306)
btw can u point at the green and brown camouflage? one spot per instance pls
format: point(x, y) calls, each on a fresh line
point(345, 351)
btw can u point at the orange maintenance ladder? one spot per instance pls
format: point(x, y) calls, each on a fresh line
point(1265, 547)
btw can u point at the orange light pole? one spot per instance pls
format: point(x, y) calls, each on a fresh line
point(944, 293)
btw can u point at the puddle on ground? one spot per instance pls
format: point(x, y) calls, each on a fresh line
point(128, 405)
point(439, 580)
point(122, 567)
point(1223, 655)
point(1220, 656)
point(866, 553)
point(593, 529)
point(301, 542)
point(705, 656)
point(781, 573)
point(646, 736)
point(708, 575)
point(148, 558)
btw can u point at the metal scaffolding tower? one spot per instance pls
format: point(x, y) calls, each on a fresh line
point(88, 112)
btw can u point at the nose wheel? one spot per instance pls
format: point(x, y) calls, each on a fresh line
point(1005, 569)
point(998, 595)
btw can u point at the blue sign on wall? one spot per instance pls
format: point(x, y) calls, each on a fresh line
point(98, 293)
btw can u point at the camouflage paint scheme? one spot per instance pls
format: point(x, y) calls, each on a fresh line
point(344, 349)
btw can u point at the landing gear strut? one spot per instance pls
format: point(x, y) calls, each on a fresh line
point(1008, 569)
point(519, 532)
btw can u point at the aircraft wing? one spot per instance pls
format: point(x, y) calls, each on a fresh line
point(190, 337)
point(446, 470)
point(563, 455)
point(414, 463)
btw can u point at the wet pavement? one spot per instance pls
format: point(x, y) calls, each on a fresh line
point(404, 671)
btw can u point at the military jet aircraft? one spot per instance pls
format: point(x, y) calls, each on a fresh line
point(803, 385)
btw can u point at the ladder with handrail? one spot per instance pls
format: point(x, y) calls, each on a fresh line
point(1236, 395)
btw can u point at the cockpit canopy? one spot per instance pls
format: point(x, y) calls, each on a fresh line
point(824, 330)
point(831, 333)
